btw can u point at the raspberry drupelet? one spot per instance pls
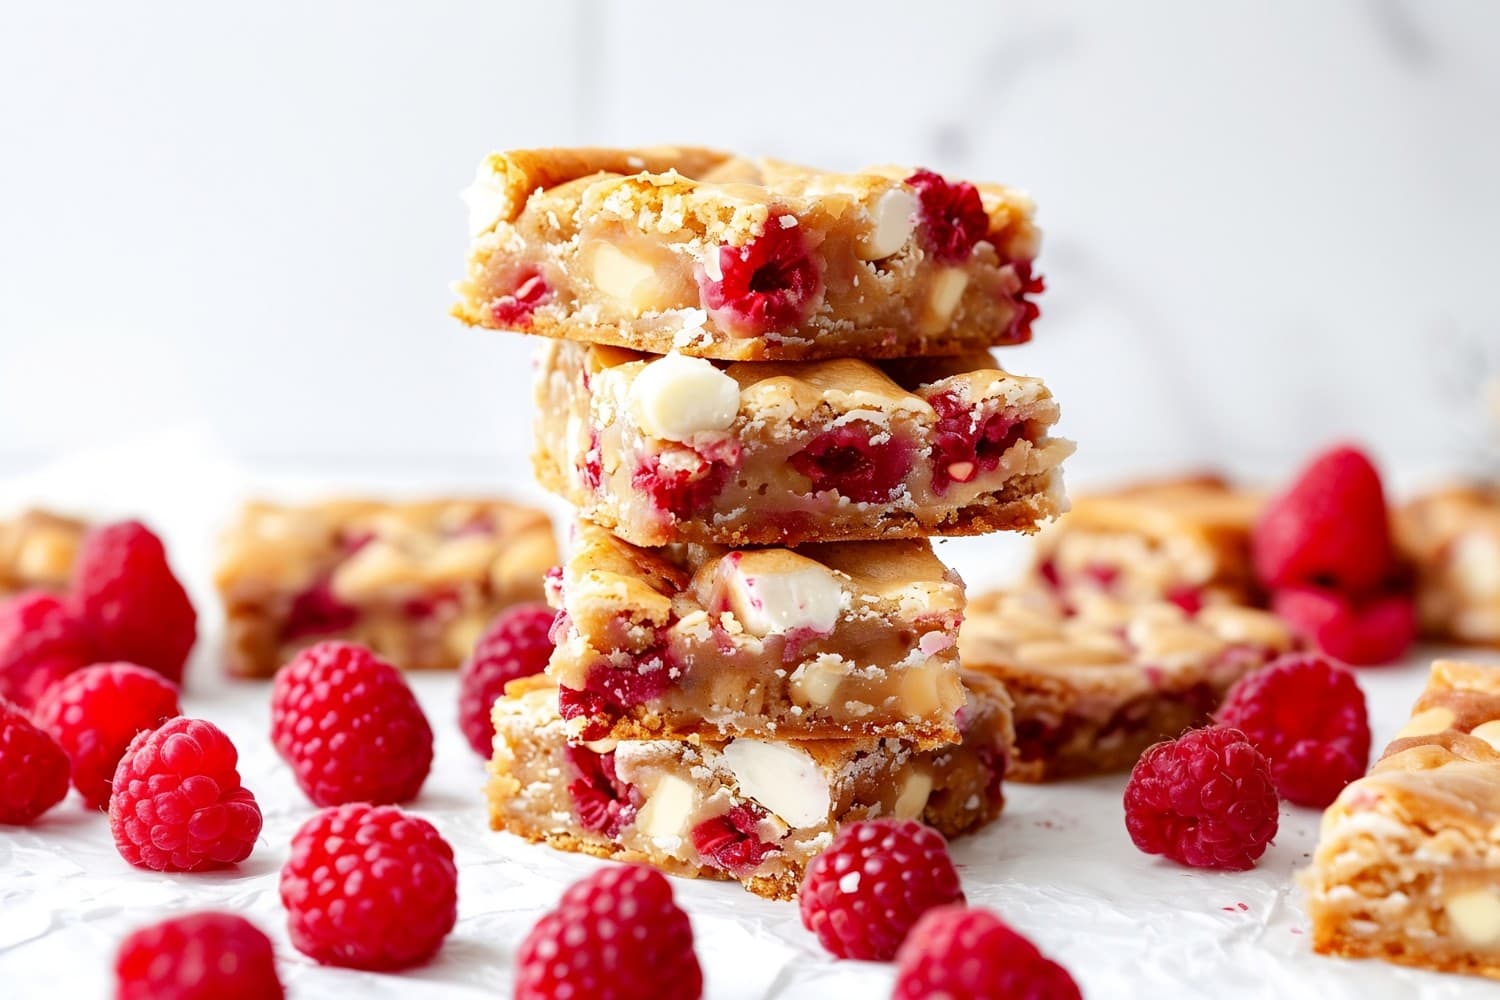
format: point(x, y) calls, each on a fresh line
point(516, 644)
point(201, 956)
point(33, 768)
point(968, 954)
point(41, 641)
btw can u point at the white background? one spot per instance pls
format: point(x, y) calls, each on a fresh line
point(1268, 224)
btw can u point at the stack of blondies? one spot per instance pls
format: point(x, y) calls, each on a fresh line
point(765, 388)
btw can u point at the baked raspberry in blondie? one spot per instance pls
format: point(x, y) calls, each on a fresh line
point(414, 581)
point(821, 642)
point(672, 448)
point(747, 260)
point(1096, 685)
point(1452, 537)
point(37, 550)
point(1185, 540)
point(1407, 866)
point(744, 809)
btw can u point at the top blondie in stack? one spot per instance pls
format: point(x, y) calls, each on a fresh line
point(765, 387)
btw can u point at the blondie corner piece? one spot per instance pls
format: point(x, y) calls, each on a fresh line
point(1185, 540)
point(37, 550)
point(1096, 686)
point(415, 581)
point(746, 260)
point(1453, 538)
point(677, 449)
point(1407, 866)
point(821, 642)
point(743, 809)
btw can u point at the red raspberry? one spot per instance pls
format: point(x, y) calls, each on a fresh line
point(369, 887)
point(1205, 799)
point(41, 641)
point(202, 956)
point(515, 644)
point(731, 841)
point(177, 803)
point(846, 461)
point(132, 606)
point(604, 803)
point(1307, 715)
point(95, 713)
point(1331, 528)
point(33, 768)
point(966, 443)
point(349, 726)
point(684, 483)
point(615, 935)
point(514, 311)
point(771, 283)
point(863, 894)
point(952, 218)
point(961, 954)
point(1027, 311)
point(1362, 631)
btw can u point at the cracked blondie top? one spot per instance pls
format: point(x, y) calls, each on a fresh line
point(679, 449)
point(415, 581)
point(1452, 537)
point(37, 550)
point(747, 809)
point(719, 256)
point(1407, 866)
point(820, 642)
point(1095, 686)
point(1184, 540)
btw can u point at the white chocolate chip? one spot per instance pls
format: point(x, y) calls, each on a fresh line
point(919, 690)
point(668, 808)
point(915, 791)
point(1476, 563)
point(629, 280)
point(1427, 722)
point(943, 297)
point(818, 682)
point(892, 220)
point(1489, 732)
point(776, 590)
point(1475, 915)
point(675, 397)
point(782, 778)
point(711, 266)
point(487, 202)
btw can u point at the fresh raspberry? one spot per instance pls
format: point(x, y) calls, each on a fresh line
point(952, 217)
point(95, 713)
point(961, 954)
point(732, 841)
point(349, 726)
point(317, 611)
point(132, 606)
point(1362, 631)
point(1027, 311)
point(514, 311)
point(863, 894)
point(1307, 715)
point(1205, 799)
point(41, 641)
point(202, 956)
point(177, 803)
point(966, 442)
point(615, 935)
point(1331, 528)
point(612, 689)
point(682, 481)
point(604, 803)
point(846, 460)
point(771, 283)
point(369, 887)
point(515, 644)
point(33, 768)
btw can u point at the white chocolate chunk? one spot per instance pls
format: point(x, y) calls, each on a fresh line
point(892, 220)
point(919, 690)
point(1489, 732)
point(817, 682)
point(486, 201)
point(1476, 563)
point(943, 297)
point(782, 778)
point(1425, 723)
point(668, 808)
point(627, 279)
point(915, 791)
point(776, 590)
point(1475, 915)
point(675, 397)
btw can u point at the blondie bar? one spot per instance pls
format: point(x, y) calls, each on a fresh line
point(679, 449)
point(37, 549)
point(746, 260)
point(1452, 537)
point(415, 581)
point(1407, 866)
point(1185, 540)
point(1096, 685)
point(743, 809)
point(825, 641)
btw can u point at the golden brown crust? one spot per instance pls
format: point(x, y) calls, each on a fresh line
point(1451, 537)
point(37, 550)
